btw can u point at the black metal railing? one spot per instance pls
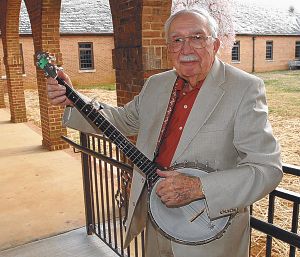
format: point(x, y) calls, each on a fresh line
point(106, 181)
point(272, 231)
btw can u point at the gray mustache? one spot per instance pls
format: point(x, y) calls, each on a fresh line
point(188, 58)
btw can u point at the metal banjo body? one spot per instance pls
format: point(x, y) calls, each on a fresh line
point(189, 224)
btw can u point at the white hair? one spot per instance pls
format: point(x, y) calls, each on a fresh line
point(213, 25)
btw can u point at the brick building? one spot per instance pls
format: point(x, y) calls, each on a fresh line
point(80, 39)
point(265, 40)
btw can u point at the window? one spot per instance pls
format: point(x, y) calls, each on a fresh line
point(22, 58)
point(269, 50)
point(235, 52)
point(86, 56)
point(297, 50)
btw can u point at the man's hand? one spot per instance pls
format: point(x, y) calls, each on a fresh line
point(178, 189)
point(57, 93)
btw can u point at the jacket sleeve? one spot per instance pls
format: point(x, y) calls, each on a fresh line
point(258, 169)
point(125, 119)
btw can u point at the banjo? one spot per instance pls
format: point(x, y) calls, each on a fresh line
point(188, 224)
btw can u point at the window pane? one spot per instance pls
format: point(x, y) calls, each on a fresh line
point(86, 56)
point(269, 50)
point(235, 52)
point(297, 50)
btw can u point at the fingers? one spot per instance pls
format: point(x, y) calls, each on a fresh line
point(178, 189)
point(169, 199)
point(166, 173)
point(65, 77)
point(57, 93)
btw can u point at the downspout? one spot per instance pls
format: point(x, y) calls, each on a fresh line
point(253, 54)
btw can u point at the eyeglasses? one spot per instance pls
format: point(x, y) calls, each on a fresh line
point(196, 41)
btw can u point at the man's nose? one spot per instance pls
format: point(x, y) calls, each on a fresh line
point(186, 48)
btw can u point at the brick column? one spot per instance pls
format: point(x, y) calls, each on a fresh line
point(44, 17)
point(10, 10)
point(155, 13)
point(2, 102)
point(139, 45)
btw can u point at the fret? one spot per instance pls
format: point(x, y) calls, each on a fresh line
point(102, 121)
point(96, 117)
point(86, 110)
point(115, 136)
point(76, 100)
point(106, 129)
point(152, 174)
point(148, 165)
point(104, 126)
point(136, 156)
point(130, 153)
point(144, 162)
point(151, 170)
point(123, 144)
point(81, 109)
point(91, 112)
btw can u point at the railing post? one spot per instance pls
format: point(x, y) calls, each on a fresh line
point(270, 220)
point(87, 189)
point(294, 227)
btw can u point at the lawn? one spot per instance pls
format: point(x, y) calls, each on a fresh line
point(283, 92)
point(283, 96)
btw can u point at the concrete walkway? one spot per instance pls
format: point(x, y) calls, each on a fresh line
point(71, 244)
point(40, 191)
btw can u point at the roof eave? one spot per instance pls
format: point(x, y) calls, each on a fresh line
point(267, 34)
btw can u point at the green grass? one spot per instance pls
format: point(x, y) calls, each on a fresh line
point(109, 87)
point(283, 92)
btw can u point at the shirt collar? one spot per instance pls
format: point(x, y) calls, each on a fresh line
point(180, 83)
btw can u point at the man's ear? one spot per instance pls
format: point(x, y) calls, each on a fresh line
point(217, 44)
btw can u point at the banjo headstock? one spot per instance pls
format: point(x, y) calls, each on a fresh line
point(44, 61)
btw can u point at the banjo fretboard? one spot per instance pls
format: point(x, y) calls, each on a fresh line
point(98, 121)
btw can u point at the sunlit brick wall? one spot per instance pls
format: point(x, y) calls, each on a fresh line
point(283, 51)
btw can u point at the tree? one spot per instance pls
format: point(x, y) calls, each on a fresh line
point(219, 9)
point(292, 10)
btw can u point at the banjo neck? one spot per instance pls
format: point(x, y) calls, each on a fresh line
point(98, 121)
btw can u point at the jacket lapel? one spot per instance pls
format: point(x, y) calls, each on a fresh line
point(162, 103)
point(208, 98)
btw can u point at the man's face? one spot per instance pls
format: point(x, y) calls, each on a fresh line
point(192, 63)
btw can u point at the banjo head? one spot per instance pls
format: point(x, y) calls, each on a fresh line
point(189, 224)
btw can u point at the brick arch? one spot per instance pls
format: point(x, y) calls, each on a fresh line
point(139, 45)
point(44, 18)
point(10, 10)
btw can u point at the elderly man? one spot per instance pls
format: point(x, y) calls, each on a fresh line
point(203, 111)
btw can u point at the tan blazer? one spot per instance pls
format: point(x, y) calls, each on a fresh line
point(227, 128)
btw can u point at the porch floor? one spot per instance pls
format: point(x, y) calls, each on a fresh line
point(41, 197)
point(75, 243)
